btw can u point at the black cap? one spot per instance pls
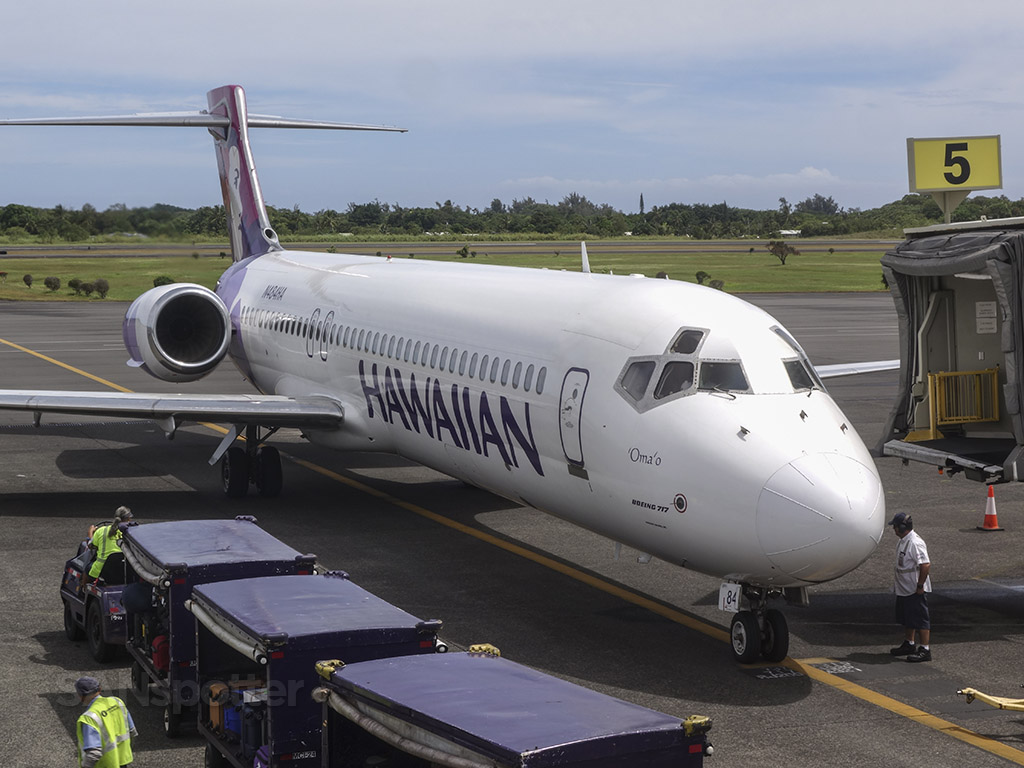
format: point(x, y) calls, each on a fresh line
point(86, 685)
point(900, 518)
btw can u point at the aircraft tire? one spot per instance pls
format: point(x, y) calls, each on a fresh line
point(746, 637)
point(234, 472)
point(775, 642)
point(269, 477)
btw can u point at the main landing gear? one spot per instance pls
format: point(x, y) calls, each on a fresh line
point(255, 464)
point(759, 631)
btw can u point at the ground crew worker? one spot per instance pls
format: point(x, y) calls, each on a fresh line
point(104, 730)
point(912, 585)
point(106, 540)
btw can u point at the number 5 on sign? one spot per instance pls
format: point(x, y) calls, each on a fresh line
point(729, 597)
point(966, 163)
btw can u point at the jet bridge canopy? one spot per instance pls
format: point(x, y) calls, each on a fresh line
point(959, 295)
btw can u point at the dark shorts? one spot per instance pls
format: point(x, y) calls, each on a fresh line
point(912, 611)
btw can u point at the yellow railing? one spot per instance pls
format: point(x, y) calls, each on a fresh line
point(960, 397)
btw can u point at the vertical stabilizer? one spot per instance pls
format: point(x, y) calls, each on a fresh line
point(248, 225)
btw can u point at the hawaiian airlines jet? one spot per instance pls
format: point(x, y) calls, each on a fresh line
point(670, 417)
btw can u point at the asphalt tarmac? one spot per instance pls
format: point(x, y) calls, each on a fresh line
point(649, 633)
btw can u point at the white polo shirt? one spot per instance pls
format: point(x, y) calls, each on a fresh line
point(911, 554)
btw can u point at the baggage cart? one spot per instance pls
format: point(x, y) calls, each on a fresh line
point(165, 561)
point(258, 641)
point(471, 710)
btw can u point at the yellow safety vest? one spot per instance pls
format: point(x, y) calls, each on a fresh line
point(105, 547)
point(108, 716)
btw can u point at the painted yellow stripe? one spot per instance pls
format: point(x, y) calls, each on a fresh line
point(92, 377)
point(804, 666)
point(65, 366)
point(905, 710)
point(547, 562)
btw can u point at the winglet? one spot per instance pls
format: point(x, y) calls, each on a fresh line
point(586, 261)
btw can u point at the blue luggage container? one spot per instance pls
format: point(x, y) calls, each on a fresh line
point(258, 641)
point(166, 560)
point(477, 709)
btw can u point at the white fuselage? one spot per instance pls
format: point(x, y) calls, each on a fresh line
point(520, 381)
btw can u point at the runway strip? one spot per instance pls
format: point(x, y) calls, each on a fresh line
point(804, 666)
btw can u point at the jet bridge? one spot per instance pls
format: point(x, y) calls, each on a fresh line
point(959, 294)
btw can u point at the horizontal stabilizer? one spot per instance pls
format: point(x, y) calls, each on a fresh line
point(199, 120)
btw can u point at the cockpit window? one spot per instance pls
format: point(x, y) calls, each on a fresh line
point(725, 377)
point(799, 376)
point(637, 377)
point(804, 361)
point(686, 343)
point(675, 377)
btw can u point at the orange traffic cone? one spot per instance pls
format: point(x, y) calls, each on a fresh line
point(991, 520)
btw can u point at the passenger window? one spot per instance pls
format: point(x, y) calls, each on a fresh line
point(799, 377)
point(376, 342)
point(637, 377)
point(453, 361)
point(416, 353)
point(462, 363)
point(444, 359)
point(528, 381)
point(433, 357)
point(504, 372)
point(426, 353)
point(726, 377)
point(676, 376)
point(362, 338)
point(687, 342)
point(494, 369)
point(391, 347)
point(472, 365)
point(483, 367)
point(541, 375)
point(516, 374)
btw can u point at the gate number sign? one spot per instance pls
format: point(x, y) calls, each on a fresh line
point(944, 165)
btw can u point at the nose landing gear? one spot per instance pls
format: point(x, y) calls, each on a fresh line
point(759, 631)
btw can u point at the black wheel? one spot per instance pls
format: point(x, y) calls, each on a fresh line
point(140, 679)
point(100, 650)
point(775, 640)
point(71, 628)
point(234, 472)
point(172, 722)
point(269, 478)
point(746, 637)
point(214, 758)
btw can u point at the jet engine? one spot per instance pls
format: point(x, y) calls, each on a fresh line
point(177, 332)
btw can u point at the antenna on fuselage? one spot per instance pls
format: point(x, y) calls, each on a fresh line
point(583, 251)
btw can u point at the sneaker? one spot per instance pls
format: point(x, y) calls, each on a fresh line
point(923, 654)
point(903, 650)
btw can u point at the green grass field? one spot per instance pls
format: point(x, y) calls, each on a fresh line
point(742, 272)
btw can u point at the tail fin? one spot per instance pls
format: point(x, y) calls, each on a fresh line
point(248, 224)
point(228, 121)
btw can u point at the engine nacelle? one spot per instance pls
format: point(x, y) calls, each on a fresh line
point(177, 332)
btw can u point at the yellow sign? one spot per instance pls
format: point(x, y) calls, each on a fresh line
point(944, 165)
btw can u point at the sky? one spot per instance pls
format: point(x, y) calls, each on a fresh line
point(742, 102)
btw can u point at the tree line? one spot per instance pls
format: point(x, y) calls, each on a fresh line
point(573, 215)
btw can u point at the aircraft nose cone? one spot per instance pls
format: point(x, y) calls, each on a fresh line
point(820, 516)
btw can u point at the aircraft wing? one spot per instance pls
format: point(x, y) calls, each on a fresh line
point(265, 410)
point(849, 369)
